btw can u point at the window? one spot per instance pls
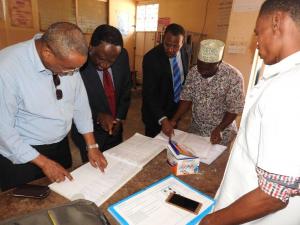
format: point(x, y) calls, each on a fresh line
point(147, 17)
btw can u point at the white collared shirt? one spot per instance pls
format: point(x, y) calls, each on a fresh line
point(29, 110)
point(268, 138)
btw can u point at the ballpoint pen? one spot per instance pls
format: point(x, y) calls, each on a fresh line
point(173, 146)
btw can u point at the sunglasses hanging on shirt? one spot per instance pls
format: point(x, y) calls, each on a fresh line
point(58, 92)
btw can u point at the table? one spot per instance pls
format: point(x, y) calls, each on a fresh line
point(207, 181)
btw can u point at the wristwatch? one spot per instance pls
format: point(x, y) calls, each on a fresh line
point(92, 146)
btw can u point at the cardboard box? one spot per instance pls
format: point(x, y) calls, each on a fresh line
point(182, 162)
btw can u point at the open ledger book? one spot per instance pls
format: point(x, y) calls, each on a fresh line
point(124, 162)
point(197, 145)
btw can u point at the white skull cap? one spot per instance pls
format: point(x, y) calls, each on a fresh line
point(211, 51)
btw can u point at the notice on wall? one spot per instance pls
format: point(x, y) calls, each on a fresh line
point(56, 11)
point(224, 10)
point(123, 22)
point(91, 14)
point(246, 5)
point(20, 12)
point(237, 47)
point(1, 10)
point(162, 23)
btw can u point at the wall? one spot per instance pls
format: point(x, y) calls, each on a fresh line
point(123, 11)
point(191, 14)
point(10, 34)
point(243, 39)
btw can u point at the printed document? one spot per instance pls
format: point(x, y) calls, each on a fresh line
point(149, 206)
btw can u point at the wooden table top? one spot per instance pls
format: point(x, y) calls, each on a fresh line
point(207, 181)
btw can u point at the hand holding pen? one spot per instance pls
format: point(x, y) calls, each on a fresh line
point(167, 127)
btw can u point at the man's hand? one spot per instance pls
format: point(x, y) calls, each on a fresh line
point(251, 206)
point(97, 159)
point(216, 137)
point(54, 171)
point(107, 122)
point(117, 127)
point(167, 127)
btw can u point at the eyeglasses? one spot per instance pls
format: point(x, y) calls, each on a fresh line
point(58, 92)
point(69, 72)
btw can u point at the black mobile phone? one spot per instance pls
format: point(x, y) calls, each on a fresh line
point(31, 191)
point(184, 203)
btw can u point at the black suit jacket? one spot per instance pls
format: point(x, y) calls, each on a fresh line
point(122, 83)
point(158, 96)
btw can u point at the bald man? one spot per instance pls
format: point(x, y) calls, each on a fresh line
point(41, 91)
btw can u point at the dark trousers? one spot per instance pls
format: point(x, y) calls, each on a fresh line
point(13, 175)
point(152, 129)
point(104, 140)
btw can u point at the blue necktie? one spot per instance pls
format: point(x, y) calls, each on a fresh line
point(176, 80)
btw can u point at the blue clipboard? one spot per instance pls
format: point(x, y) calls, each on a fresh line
point(196, 220)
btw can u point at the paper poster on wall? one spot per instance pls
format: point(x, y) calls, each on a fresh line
point(56, 10)
point(162, 23)
point(91, 14)
point(237, 45)
point(123, 23)
point(246, 5)
point(1, 10)
point(224, 10)
point(20, 12)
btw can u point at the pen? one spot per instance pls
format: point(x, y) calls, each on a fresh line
point(174, 147)
point(52, 217)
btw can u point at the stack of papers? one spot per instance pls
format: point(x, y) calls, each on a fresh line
point(195, 144)
point(124, 162)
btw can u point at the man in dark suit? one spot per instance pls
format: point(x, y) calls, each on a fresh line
point(164, 70)
point(106, 76)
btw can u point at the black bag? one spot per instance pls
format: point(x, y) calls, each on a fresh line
point(79, 212)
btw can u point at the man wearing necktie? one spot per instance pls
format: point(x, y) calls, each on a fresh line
point(164, 71)
point(106, 76)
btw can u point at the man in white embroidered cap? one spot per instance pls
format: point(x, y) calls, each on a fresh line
point(214, 89)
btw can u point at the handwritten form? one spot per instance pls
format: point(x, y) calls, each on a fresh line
point(149, 206)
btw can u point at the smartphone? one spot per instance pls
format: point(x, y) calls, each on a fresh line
point(184, 203)
point(31, 191)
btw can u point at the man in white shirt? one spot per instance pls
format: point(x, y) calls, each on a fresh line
point(261, 182)
point(41, 91)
